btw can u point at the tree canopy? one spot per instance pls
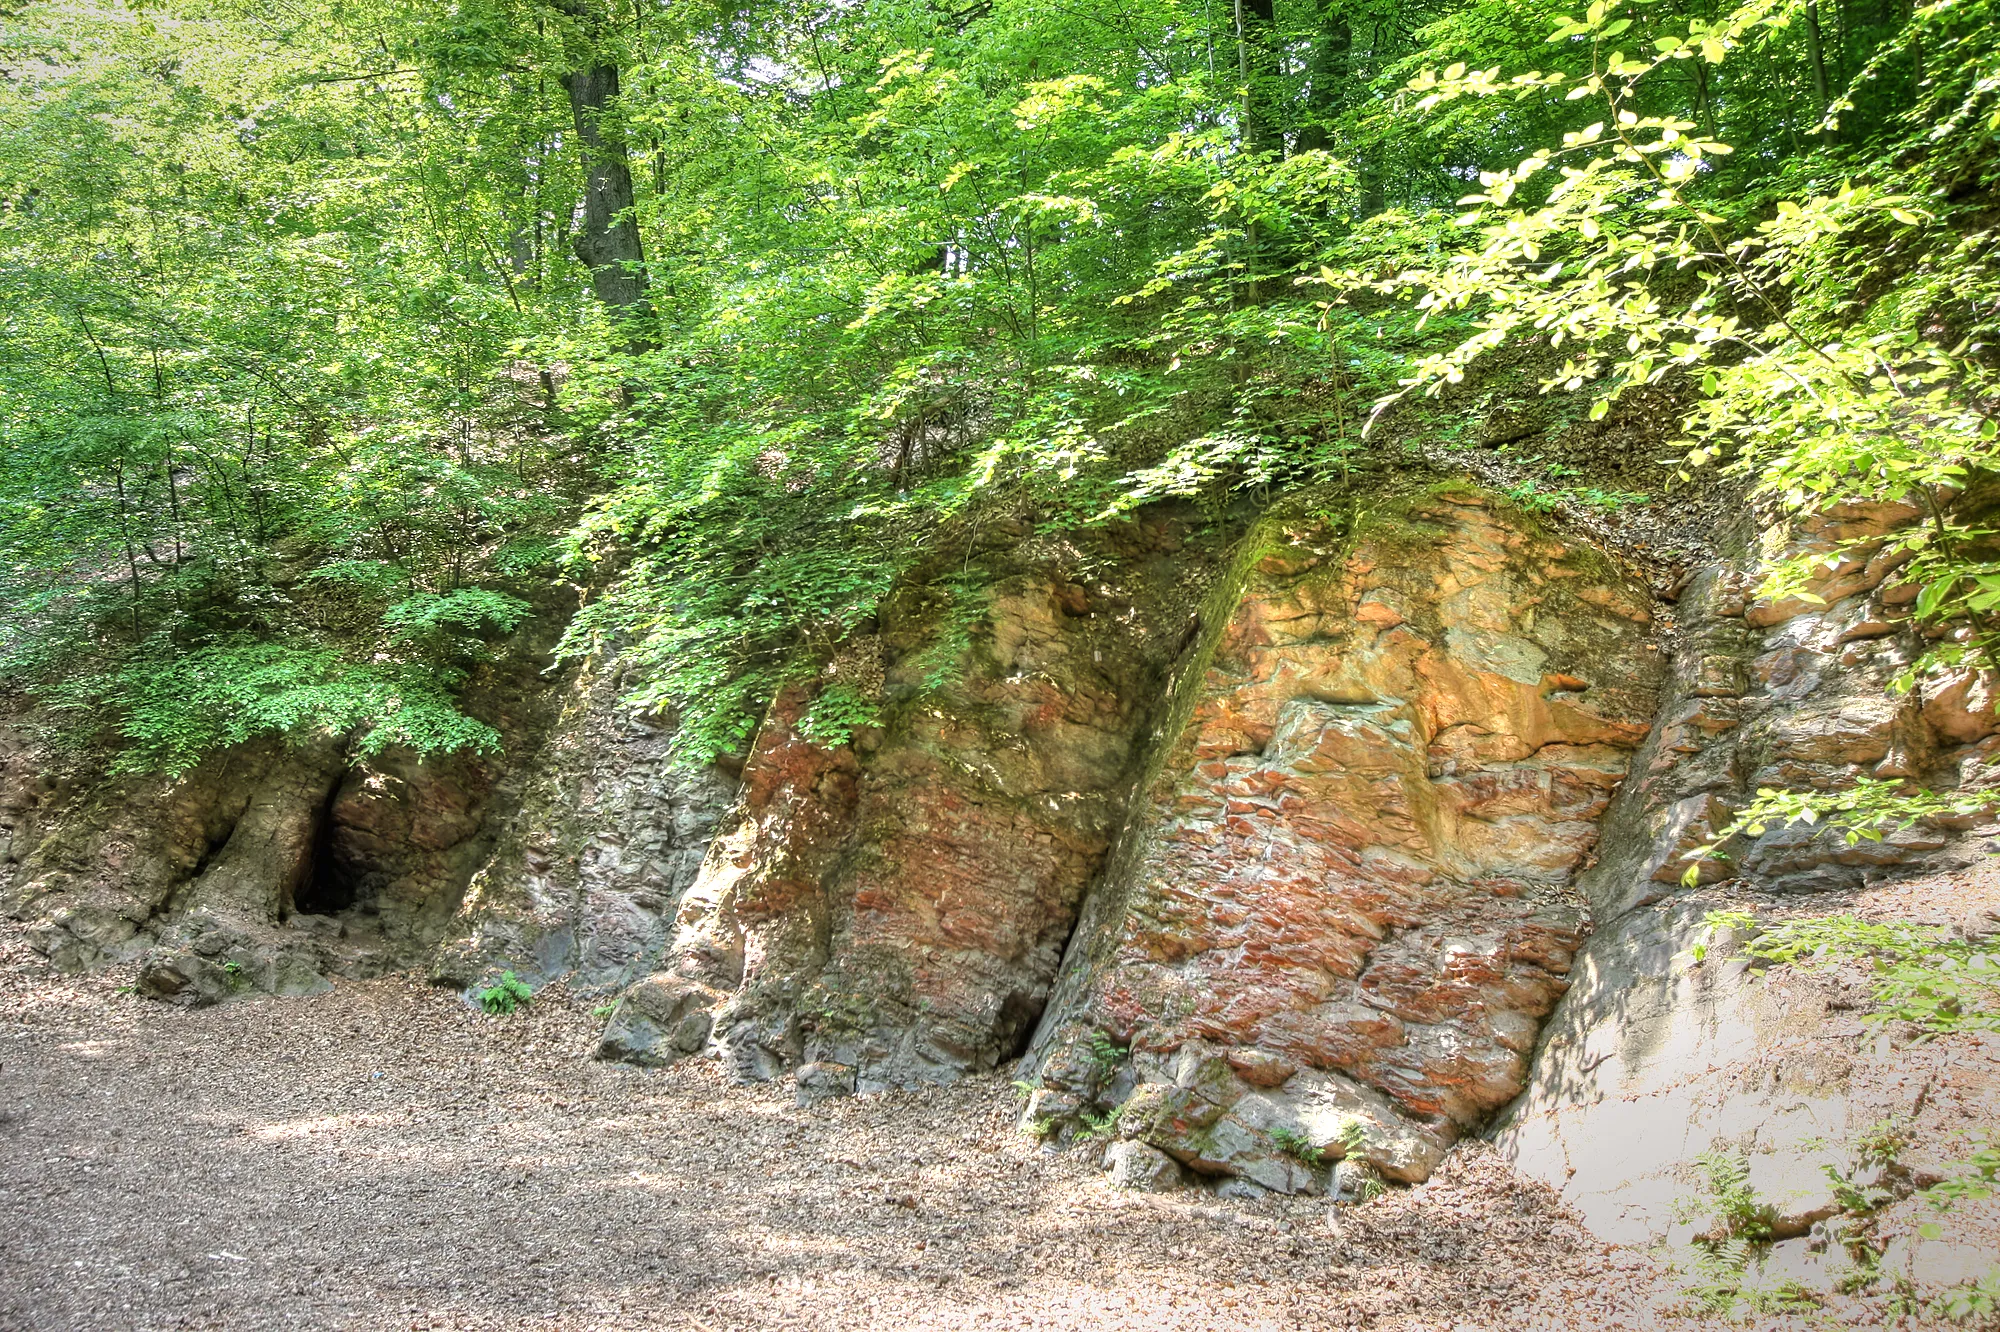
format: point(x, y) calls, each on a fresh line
point(334, 329)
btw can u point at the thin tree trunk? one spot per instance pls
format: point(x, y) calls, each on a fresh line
point(1817, 53)
point(1704, 102)
point(1256, 64)
point(1328, 81)
point(125, 532)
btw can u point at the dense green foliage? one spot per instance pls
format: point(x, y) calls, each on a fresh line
point(334, 329)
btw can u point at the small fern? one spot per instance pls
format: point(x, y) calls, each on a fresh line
point(1735, 1202)
point(1353, 1136)
point(1717, 1278)
point(1100, 1126)
point(505, 995)
point(1298, 1146)
point(1101, 1054)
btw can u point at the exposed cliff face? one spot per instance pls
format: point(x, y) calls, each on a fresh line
point(1343, 898)
point(223, 851)
point(585, 875)
point(1654, 1059)
point(893, 910)
point(1279, 843)
point(268, 868)
point(1346, 801)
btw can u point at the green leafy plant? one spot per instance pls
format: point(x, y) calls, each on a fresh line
point(505, 995)
point(1974, 1301)
point(1097, 1126)
point(452, 624)
point(1100, 1054)
point(1298, 1145)
point(1920, 974)
point(835, 713)
point(1977, 1178)
point(1352, 1137)
point(1877, 1147)
point(1782, 1298)
point(1865, 811)
point(175, 712)
point(1720, 1258)
point(1715, 1275)
point(1731, 1199)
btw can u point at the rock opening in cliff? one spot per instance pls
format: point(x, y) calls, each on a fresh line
point(329, 885)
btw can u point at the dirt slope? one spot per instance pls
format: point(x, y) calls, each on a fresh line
point(381, 1157)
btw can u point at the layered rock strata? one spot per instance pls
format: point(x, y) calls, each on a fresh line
point(1281, 845)
point(1342, 902)
point(1346, 799)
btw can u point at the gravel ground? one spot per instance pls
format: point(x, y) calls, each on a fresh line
point(384, 1157)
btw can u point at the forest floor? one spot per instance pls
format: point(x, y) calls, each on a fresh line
point(384, 1157)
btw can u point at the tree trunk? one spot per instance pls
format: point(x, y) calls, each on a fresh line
point(1818, 54)
point(1324, 94)
point(609, 242)
point(1257, 64)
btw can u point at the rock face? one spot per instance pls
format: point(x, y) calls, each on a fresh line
point(265, 870)
point(270, 867)
point(184, 874)
point(1347, 799)
point(1273, 844)
point(1653, 1059)
point(897, 905)
point(1341, 904)
point(607, 834)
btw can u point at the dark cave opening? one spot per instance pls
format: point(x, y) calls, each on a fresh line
point(329, 885)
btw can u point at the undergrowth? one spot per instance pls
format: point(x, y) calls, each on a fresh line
point(505, 995)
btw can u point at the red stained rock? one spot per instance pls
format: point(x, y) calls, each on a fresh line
point(902, 912)
point(1357, 851)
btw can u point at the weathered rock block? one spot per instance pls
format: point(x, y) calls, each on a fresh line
point(1352, 850)
point(1141, 1169)
point(584, 879)
point(660, 1020)
point(823, 1081)
point(1654, 1059)
point(897, 903)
